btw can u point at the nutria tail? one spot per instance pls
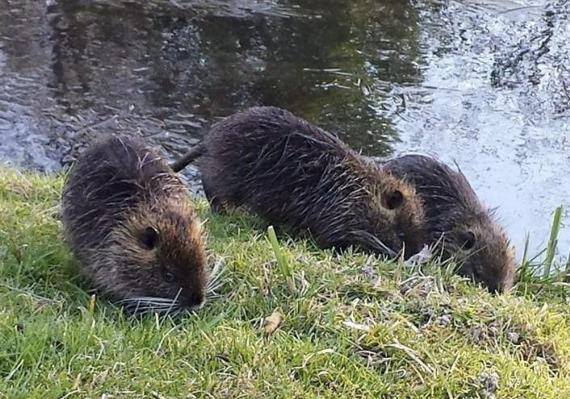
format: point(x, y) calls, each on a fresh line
point(192, 154)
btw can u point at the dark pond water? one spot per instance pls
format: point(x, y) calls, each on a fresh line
point(480, 82)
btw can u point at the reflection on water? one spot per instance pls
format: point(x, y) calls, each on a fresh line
point(495, 98)
point(468, 81)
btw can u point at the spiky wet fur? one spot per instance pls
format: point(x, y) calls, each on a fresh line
point(116, 190)
point(452, 213)
point(294, 174)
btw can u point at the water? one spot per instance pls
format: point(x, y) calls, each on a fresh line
point(483, 83)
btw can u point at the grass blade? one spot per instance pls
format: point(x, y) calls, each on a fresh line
point(553, 241)
point(281, 260)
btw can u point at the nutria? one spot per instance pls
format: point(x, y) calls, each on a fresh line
point(128, 220)
point(456, 219)
point(297, 175)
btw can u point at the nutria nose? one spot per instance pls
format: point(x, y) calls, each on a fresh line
point(494, 288)
point(194, 300)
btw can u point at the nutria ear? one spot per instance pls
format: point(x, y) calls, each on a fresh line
point(148, 238)
point(393, 200)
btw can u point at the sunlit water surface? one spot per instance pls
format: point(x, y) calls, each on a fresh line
point(485, 84)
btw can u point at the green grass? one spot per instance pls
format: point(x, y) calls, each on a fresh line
point(352, 325)
point(553, 241)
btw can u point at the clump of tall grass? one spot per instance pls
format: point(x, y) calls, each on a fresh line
point(546, 270)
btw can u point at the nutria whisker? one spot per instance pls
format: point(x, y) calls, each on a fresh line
point(142, 308)
point(215, 281)
point(147, 299)
point(217, 270)
point(214, 288)
point(158, 302)
point(374, 242)
point(175, 300)
point(211, 288)
point(148, 304)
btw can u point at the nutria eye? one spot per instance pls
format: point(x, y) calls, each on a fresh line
point(394, 199)
point(469, 240)
point(169, 277)
point(149, 238)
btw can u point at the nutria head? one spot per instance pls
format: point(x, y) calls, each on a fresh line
point(398, 214)
point(156, 260)
point(482, 251)
point(456, 219)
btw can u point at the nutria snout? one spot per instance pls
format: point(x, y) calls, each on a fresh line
point(128, 220)
point(456, 219)
point(295, 174)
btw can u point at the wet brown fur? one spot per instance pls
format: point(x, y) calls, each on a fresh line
point(455, 218)
point(128, 220)
point(294, 174)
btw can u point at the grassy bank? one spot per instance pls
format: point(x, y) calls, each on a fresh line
point(351, 325)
